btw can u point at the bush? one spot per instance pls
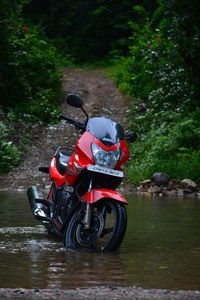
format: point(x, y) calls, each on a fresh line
point(30, 77)
point(38, 110)
point(35, 67)
point(157, 74)
point(9, 155)
point(172, 148)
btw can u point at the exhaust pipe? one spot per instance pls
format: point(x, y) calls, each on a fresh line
point(39, 206)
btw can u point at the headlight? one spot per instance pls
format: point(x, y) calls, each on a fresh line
point(104, 158)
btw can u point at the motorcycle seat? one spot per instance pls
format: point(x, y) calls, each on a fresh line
point(62, 160)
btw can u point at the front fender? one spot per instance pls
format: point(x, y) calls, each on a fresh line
point(98, 194)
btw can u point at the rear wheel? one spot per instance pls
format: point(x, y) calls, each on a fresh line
point(107, 229)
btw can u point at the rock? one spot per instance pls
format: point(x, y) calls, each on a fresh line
point(187, 191)
point(180, 193)
point(132, 188)
point(20, 189)
point(188, 183)
point(145, 182)
point(142, 107)
point(170, 193)
point(154, 189)
point(160, 178)
point(198, 195)
point(173, 184)
point(191, 195)
point(47, 187)
point(146, 194)
point(149, 190)
point(144, 185)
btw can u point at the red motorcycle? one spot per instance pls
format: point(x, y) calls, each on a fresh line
point(83, 206)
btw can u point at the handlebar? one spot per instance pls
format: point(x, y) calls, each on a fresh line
point(78, 124)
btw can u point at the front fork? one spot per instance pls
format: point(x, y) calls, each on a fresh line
point(87, 217)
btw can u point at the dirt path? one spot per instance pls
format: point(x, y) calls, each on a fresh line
point(100, 97)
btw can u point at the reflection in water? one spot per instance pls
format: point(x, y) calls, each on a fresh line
point(165, 243)
point(161, 249)
point(84, 269)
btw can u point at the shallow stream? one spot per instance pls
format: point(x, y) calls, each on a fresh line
point(161, 249)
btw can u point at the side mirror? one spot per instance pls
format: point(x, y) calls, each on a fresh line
point(74, 101)
point(131, 136)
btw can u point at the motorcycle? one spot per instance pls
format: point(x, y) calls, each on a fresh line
point(82, 205)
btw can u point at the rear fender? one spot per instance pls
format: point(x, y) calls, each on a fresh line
point(98, 194)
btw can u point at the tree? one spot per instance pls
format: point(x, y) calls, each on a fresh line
point(86, 29)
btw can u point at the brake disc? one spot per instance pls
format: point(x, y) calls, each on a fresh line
point(86, 237)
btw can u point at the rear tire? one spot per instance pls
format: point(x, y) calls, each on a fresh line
point(107, 230)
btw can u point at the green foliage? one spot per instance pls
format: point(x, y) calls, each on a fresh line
point(34, 65)
point(29, 65)
point(38, 110)
point(158, 74)
point(9, 154)
point(172, 148)
point(30, 77)
point(180, 23)
point(122, 74)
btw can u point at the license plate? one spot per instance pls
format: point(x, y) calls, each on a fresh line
point(102, 170)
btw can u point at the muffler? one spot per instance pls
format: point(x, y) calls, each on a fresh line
point(39, 206)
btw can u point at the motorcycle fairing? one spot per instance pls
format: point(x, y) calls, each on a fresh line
point(55, 175)
point(83, 154)
point(100, 193)
point(82, 157)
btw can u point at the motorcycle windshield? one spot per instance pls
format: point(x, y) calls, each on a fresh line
point(106, 130)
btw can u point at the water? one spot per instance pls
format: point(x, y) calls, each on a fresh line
point(161, 249)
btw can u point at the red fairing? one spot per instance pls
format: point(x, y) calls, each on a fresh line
point(55, 175)
point(83, 146)
point(98, 194)
point(124, 154)
point(82, 157)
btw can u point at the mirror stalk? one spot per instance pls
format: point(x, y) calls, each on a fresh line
point(85, 114)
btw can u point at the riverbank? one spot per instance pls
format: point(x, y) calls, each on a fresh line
point(100, 97)
point(179, 189)
point(104, 293)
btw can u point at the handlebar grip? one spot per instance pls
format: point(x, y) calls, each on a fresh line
point(73, 122)
point(69, 120)
point(60, 117)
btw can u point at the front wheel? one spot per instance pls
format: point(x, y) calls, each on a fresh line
point(107, 228)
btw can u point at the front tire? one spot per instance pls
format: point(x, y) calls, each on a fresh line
point(107, 230)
